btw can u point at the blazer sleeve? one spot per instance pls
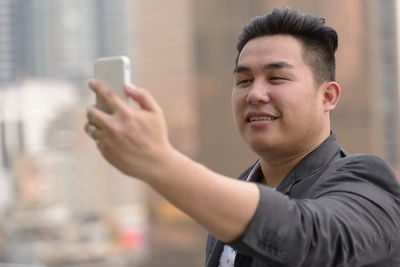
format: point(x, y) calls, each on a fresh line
point(351, 217)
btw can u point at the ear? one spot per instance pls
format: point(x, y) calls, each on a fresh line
point(331, 95)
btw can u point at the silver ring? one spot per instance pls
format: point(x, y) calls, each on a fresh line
point(91, 129)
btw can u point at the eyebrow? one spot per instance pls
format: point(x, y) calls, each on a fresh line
point(273, 65)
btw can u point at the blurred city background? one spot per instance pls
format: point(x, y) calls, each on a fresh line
point(61, 204)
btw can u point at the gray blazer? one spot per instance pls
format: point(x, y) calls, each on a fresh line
point(332, 209)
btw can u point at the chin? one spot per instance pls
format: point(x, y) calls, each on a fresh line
point(262, 146)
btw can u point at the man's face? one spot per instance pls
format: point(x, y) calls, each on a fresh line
point(277, 105)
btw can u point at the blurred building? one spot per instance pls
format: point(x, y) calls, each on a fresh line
point(381, 63)
point(55, 178)
point(55, 39)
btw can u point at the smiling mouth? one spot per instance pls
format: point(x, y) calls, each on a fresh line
point(261, 118)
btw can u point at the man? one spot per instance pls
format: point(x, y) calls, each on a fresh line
point(305, 202)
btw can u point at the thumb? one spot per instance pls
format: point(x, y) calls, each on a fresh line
point(142, 97)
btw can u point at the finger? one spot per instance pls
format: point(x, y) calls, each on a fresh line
point(142, 97)
point(87, 125)
point(97, 117)
point(109, 97)
point(94, 132)
point(90, 128)
point(98, 135)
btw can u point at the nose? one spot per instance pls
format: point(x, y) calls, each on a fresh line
point(258, 94)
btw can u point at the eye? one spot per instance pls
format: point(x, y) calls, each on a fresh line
point(277, 78)
point(244, 81)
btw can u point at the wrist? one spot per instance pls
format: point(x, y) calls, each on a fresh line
point(164, 165)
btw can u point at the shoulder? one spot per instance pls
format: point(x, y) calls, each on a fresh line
point(363, 174)
point(364, 161)
point(367, 184)
point(366, 166)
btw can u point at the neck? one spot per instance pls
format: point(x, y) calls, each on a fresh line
point(276, 169)
point(274, 174)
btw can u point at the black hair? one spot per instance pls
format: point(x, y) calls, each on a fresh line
point(319, 41)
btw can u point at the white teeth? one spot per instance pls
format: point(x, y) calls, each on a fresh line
point(261, 118)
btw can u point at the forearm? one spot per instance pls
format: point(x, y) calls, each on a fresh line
point(224, 206)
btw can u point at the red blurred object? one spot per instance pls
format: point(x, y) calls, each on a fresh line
point(132, 239)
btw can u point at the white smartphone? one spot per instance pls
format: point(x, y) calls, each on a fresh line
point(114, 72)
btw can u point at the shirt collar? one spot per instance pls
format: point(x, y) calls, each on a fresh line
point(255, 172)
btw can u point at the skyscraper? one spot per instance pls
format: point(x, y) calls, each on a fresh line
point(58, 39)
